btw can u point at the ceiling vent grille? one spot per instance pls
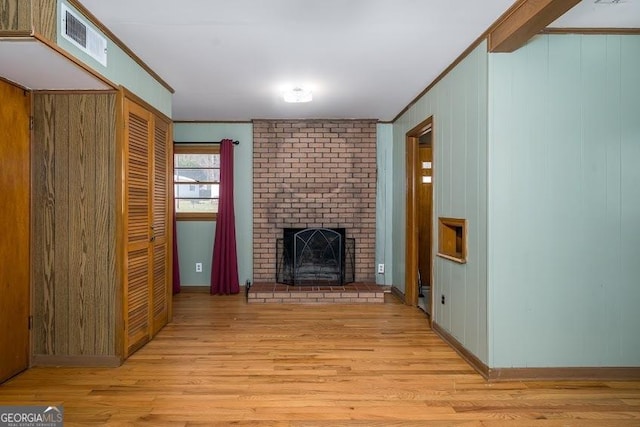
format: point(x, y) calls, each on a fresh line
point(81, 35)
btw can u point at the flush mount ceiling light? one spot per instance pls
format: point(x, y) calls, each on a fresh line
point(297, 95)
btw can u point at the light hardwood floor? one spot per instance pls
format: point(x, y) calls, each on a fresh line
point(224, 362)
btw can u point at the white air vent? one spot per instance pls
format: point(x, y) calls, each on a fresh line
point(80, 34)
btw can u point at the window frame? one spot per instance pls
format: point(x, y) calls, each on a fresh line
point(204, 148)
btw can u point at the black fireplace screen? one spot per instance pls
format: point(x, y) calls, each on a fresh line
point(315, 256)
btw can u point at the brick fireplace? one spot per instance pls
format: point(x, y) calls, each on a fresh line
point(314, 173)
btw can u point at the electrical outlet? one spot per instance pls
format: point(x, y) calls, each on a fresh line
point(198, 267)
point(380, 268)
point(442, 299)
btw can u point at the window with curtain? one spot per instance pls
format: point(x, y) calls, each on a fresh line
point(196, 181)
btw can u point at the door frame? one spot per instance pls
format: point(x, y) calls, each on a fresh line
point(412, 177)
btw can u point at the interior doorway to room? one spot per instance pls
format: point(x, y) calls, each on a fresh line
point(420, 216)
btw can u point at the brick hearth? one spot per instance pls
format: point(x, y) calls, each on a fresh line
point(348, 294)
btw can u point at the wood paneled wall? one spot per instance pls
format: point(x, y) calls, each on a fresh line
point(44, 18)
point(23, 16)
point(15, 15)
point(75, 283)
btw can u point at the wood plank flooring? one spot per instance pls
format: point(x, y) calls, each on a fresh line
point(225, 362)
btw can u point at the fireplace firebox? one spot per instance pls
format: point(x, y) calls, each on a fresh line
point(315, 256)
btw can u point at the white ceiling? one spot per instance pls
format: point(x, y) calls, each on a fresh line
point(602, 14)
point(231, 60)
point(35, 66)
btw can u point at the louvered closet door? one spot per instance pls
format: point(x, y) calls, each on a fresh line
point(160, 214)
point(138, 129)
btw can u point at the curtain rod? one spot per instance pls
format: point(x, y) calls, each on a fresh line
point(204, 142)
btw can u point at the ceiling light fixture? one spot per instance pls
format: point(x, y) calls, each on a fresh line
point(297, 95)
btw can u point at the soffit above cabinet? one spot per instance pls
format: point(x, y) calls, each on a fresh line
point(36, 66)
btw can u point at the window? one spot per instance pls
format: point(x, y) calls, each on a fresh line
point(196, 181)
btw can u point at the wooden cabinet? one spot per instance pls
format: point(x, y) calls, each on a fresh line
point(100, 244)
point(146, 214)
point(96, 237)
point(75, 282)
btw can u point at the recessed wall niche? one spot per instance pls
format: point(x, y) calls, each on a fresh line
point(452, 239)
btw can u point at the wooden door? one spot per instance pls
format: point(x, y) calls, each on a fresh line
point(414, 188)
point(138, 233)
point(15, 110)
point(424, 219)
point(160, 225)
point(147, 293)
point(424, 216)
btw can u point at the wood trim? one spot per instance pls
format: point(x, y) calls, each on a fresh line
point(537, 374)
point(77, 361)
point(15, 33)
point(201, 148)
point(421, 128)
point(398, 294)
point(411, 248)
point(120, 226)
point(95, 21)
point(565, 374)
point(135, 98)
point(74, 91)
point(32, 185)
point(195, 216)
point(171, 215)
point(9, 82)
point(526, 20)
point(200, 289)
point(469, 357)
point(589, 31)
point(302, 119)
point(213, 122)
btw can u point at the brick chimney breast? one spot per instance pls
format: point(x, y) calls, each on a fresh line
point(314, 173)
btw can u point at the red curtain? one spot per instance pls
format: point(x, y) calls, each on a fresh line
point(224, 265)
point(176, 264)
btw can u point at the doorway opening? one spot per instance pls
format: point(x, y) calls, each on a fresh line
point(419, 252)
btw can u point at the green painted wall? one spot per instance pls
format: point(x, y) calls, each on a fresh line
point(384, 197)
point(195, 244)
point(564, 203)
point(120, 69)
point(458, 104)
point(195, 238)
